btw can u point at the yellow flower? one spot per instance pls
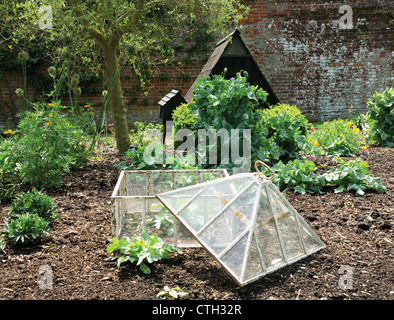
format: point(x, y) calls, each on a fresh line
point(315, 144)
point(365, 147)
point(331, 130)
point(51, 104)
point(350, 111)
point(82, 143)
point(49, 124)
point(86, 106)
point(351, 106)
point(312, 128)
point(9, 131)
point(349, 123)
point(356, 130)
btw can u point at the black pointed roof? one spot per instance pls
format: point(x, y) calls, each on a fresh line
point(232, 54)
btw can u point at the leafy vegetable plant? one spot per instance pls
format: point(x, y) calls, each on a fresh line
point(381, 110)
point(297, 175)
point(353, 175)
point(23, 230)
point(142, 249)
point(300, 177)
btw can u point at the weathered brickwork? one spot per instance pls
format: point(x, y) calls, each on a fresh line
point(308, 60)
point(312, 63)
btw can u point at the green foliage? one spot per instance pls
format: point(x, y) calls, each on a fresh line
point(287, 127)
point(47, 145)
point(297, 175)
point(153, 157)
point(184, 118)
point(337, 138)
point(143, 134)
point(142, 249)
point(228, 104)
point(300, 177)
point(231, 104)
point(9, 181)
point(353, 175)
point(381, 110)
point(33, 202)
point(23, 230)
point(171, 293)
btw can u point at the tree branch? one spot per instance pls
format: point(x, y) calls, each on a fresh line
point(135, 19)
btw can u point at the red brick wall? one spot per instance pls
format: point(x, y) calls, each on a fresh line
point(308, 61)
point(311, 63)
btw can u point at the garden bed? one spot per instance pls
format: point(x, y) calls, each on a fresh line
point(358, 232)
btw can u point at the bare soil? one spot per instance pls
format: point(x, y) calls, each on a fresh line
point(358, 232)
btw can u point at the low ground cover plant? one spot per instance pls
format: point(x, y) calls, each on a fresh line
point(340, 138)
point(300, 176)
point(23, 230)
point(28, 220)
point(143, 250)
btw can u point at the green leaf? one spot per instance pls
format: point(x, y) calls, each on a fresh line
point(145, 269)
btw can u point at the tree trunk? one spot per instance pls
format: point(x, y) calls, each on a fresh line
point(115, 97)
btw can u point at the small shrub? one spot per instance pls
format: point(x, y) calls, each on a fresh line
point(34, 202)
point(381, 110)
point(287, 127)
point(337, 138)
point(23, 230)
point(142, 249)
point(184, 118)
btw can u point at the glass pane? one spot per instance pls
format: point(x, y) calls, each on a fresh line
point(183, 179)
point(136, 184)
point(185, 237)
point(131, 222)
point(160, 182)
point(231, 223)
point(311, 240)
point(211, 201)
point(234, 258)
point(177, 199)
point(159, 220)
point(287, 226)
point(253, 263)
point(207, 176)
point(266, 233)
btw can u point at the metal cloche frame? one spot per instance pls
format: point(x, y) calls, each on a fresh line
point(245, 223)
point(134, 202)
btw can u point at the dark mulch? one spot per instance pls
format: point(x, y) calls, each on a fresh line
point(358, 232)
